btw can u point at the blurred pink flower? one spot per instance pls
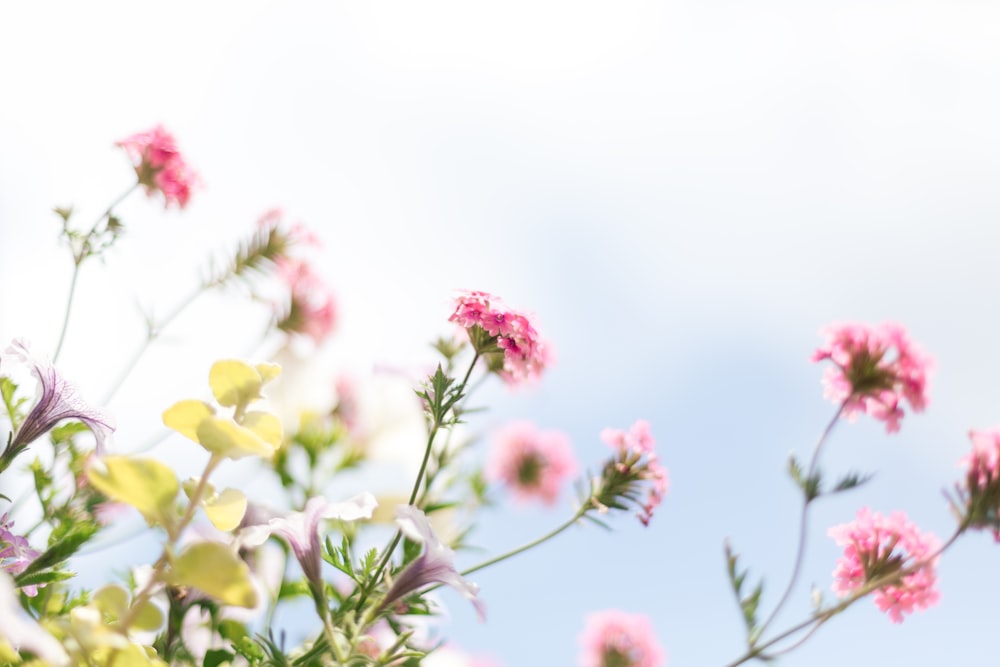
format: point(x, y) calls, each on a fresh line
point(876, 546)
point(436, 565)
point(533, 464)
point(636, 457)
point(613, 638)
point(16, 553)
point(312, 308)
point(875, 368)
point(159, 165)
point(525, 353)
point(59, 400)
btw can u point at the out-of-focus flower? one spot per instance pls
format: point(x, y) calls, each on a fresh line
point(524, 353)
point(436, 565)
point(875, 368)
point(634, 470)
point(533, 464)
point(301, 530)
point(59, 400)
point(159, 166)
point(980, 494)
point(613, 638)
point(21, 632)
point(16, 553)
point(312, 309)
point(877, 546)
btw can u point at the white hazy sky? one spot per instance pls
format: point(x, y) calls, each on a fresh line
point(684, 192)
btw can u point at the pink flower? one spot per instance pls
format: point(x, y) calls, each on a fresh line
point(875, 547)
point(531, 463)
point(875, 368)
point(494, 328)
point(159, 165)
point(312, 308)
point(636, 463)
point(16, 553)
point(59, 400)
point(613, 638)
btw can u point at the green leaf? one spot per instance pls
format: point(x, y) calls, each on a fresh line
point(234, 383)
point(851, 480)
point(810, 485)
point(62, 549)
point(748, 603)
point(217, 656)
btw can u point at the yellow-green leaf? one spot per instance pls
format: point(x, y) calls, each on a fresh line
point(112, 600)
point(234, 382)
point(185, 416)
point(266, 425)
point(145, 484)
point(214, 569)
point(226, 438)
point(226, 509)
point(268, 372)
point(149, 617)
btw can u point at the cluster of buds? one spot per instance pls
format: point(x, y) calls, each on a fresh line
point(875, 369)
point(977, 502)
point(159, 166)
point(634, 475)
point(512, 347)
point(890, 549)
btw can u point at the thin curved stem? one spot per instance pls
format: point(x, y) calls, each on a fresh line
point(80, 254)
point(800, 550)
point(529, 545)
point(821, 617)
point(153, 332)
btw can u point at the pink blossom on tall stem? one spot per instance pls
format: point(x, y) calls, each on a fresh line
point(875, 369)
point(525, 353)
point(159, 166)
point(613, 638)
point(636, 461)
point(312, 309)
point(877, 546)
point(16, 553)
point(533, 464)
point(59, 400)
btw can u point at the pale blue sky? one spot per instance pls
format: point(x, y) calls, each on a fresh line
point(684, 192)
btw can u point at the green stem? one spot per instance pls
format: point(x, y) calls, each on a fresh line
point(153, 332)
point(820, 617)
point(387, 554)
point(79, 255)
point(800, 550)
point(530, 545)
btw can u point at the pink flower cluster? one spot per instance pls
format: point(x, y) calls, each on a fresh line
point(613, 638)
point(632, 445)
point(525, 354)
point(982, 480)
point(533, 464)
point(160, 166)
point(877, 546)
point(875, 368)
point(312, 307)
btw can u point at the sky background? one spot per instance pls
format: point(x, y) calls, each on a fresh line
point(683, 192)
